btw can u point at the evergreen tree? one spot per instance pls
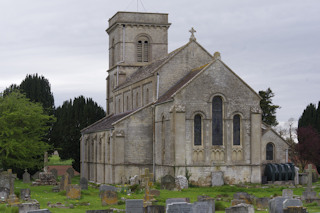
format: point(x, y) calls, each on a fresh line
point(72, 117)
point(268, 108)
point(10, 89)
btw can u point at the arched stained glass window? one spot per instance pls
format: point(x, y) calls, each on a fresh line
point(197, 130)
point(236, 130)
point(217, 126)
point(269, 151)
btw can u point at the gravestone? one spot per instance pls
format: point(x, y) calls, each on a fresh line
point(295, 209)
point(291, 202)
point(202, 207)
point(73, 191)
point(134, 180)
point(45, 163)
point(288, 193)
point(103, 188)
point(70, 171)
point(235, 202)
point(177, 200)
point(54, 172)
point(4, 193)
point(296, 177)
point(168, 182)
point(84, 183)
point(262, 203)
point(240, 208)
point(181, 182)
point(109, 198)
point(155, 209)
point(26, 207)
point(100, 211)
point(276, 205)
point(134, 206)
point(45, 177)
point(26, 176)
point(39, 211)
point(303, 178)
point(207, 199)
point(13, 199)
point(309, 193)
point(65, 181)
point(35, 175)
point(25, 194)
point(180, 207)
point(243, 196)
point(147, 178)
point(217, 178)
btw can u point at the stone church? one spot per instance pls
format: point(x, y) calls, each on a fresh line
point(179, 113)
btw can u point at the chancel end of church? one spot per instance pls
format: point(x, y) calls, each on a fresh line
point(177, 113)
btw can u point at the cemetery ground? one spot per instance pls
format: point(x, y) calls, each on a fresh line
point(90, 198)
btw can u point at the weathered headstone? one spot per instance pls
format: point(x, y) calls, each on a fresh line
point(100, 211)
point(177, 200)
point(181, 182)
point(73, 191)
point(4, 193)
point(296, 177)
point(134, 180)
point(103, 188)
point(180, 207)
point(309, 193)
point(168, 182)
point(303, 178)
point(155, 209)
point(291, 202)
point(295, 209)
point(13, 199)
point(26, 176)
point(27, 207)
point(109, 198)
point(84, 183)
point(25, 194)
point(240, 208)
point(202, 207)
point(70, 171)
point(235, 202)
point(243, 196)
point(262, 203)
point(211, 201)
point(288, 193)
point(39, 211)
point(147, 177)
point(276, 205)
point(65, 181)
point(134, 206)
point(54, 172)
point(217, 178)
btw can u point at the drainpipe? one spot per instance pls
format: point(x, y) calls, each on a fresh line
point(158, 84)
point(153, 144)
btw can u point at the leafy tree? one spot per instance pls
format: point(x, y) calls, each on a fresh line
point(73, 116)
point(308, 148)
point(268, 108)
point(23, 125)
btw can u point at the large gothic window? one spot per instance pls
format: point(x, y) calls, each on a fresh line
point(217, 123)
point(197, 130)
point(269, 151)
point(143, 49)
point(236, 129)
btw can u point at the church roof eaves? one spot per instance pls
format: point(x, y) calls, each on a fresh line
point(269, 128)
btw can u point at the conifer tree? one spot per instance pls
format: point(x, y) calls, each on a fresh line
point(268, 108)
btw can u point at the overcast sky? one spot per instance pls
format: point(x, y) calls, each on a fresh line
point(268, 43)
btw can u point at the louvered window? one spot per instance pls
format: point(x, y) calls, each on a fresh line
point(139, 51)
point(143, 49)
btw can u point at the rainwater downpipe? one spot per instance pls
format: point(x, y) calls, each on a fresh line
point(158, 84)
point(123, 50)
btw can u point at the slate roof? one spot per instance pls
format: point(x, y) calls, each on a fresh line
point(167, 95)
point(104, 123)
point(148, 70)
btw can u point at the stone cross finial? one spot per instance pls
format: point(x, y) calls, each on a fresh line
point(192, 31)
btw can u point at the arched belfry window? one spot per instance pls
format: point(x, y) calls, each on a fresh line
point(217, 123)
point(269, 151)
point(197, 129)
point(236, 130)
point(143, 49)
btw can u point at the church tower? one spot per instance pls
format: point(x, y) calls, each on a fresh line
point(137, 38)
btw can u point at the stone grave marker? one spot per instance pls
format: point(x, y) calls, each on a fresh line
point(217, 178)
point(202, 207)
point(240, 208)
point(13, 199)
point(84, 183)
point(70, 171)
point(155, 209)
point(179, 207)
point(25, 194)
point(134, 180)
point(177, 200)
point(181, 182)
point(243, 196)
point(147, 177)
point(291, 202)
point(276, 205)
point(262, 203)
point(296, 177)
point(35, 175)
point(39, 211)
point(54, 172)
point(134, 206)
point(4, 193)
point(27, 207)
point(5, 179)
point(168, 182)
point(26, 177)
point(65, 181)
point(73, 191)
point(100, 211)
point(103, 188)
point(109, 198)
point(295, 209)
point(309, 194)
point(210, 200)
point(288, 193)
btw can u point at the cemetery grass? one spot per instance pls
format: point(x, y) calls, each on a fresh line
point(55, 160)
point(222, 195)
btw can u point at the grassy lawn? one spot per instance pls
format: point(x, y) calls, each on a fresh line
point(55, 161)
point(44, 195)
